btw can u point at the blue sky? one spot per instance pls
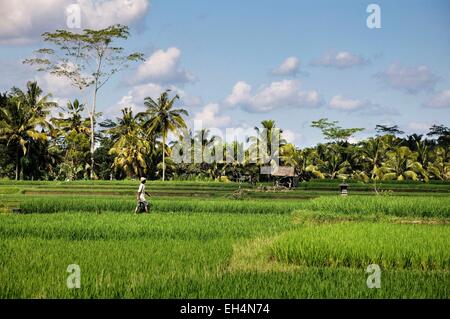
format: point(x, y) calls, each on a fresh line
point(225, 59)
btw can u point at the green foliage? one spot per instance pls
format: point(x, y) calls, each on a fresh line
point(331, 131)
point(160, 118)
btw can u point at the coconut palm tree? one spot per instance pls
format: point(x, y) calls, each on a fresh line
point(335, 164)
point(236, 160)
point(74, 120)
point(130, 146)
point(260, 147)
point(373, 151)
point(160, 118)
point(23, 120)
point(73, 139)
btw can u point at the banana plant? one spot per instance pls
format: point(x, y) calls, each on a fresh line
point(402, 164)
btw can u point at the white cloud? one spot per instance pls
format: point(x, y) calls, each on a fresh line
point(210, 117)
point(136, 95)
point(285, 93)
point(162, 67)
point(418, 127)
point(290, 66)
point(363, 107)
point(341, 103)
point(58, 86)
point(409, 79)
point(101, 14)
point(23, 21)
point(439, 100)
point(291, 136)
point(240, 94)
point(340, 60)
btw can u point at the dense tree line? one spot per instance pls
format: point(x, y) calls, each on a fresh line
point(42, 140)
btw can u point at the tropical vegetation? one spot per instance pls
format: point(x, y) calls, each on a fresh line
point(40, 139)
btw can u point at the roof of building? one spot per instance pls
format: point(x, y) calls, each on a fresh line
point(284, 171)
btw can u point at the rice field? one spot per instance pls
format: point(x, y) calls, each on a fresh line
point(310, 245)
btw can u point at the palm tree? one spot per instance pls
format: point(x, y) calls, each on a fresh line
point(74, 121)
point(373, 150)
point(335, 164)
point(260, 147)
point(236, 160)
point(130, 146)
point(32, 98)
point(161, 118)
point(74, 139)
point(23, 120)
point(440, 166)
point(402, 164)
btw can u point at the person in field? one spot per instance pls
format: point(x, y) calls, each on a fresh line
point(141, 196)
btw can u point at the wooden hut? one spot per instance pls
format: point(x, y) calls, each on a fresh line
point(285, 176)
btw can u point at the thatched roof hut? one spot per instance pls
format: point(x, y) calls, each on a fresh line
point(283, 171)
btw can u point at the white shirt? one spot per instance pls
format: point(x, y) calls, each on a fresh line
point(141, 192)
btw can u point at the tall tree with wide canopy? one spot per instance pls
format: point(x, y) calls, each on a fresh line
point(160, 118)
point(333, 132)
point(87, 59)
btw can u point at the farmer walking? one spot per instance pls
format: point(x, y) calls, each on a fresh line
point(141, 202)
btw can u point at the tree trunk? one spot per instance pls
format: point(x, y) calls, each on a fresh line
point(164, 157)
point(92, 118)
point(17, 164)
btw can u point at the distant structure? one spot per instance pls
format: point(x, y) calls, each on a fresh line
point(344, 189)
point(285, 176)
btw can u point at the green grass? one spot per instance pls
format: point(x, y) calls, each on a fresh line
point(175, 256)
point(270, 245)
point(52, 204)
point(423, 206)
point(356, 245)
point(380, 205)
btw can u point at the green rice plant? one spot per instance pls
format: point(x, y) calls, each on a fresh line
point(53, 204)
point(398, 206)
point(167, 226)
point(356, 245)
point(378, 205)
point(174, 256)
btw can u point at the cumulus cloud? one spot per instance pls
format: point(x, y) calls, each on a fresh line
point(341, 103)
point(136, 95)
point(23, 21)
point(101, 14)
point(210, 117)
point(408, 79)
point(363, 107)
point(285, 93)
point(439, 100)
point(340, 60)
point(291, 136)
point(163, 67)
point(289, 67)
